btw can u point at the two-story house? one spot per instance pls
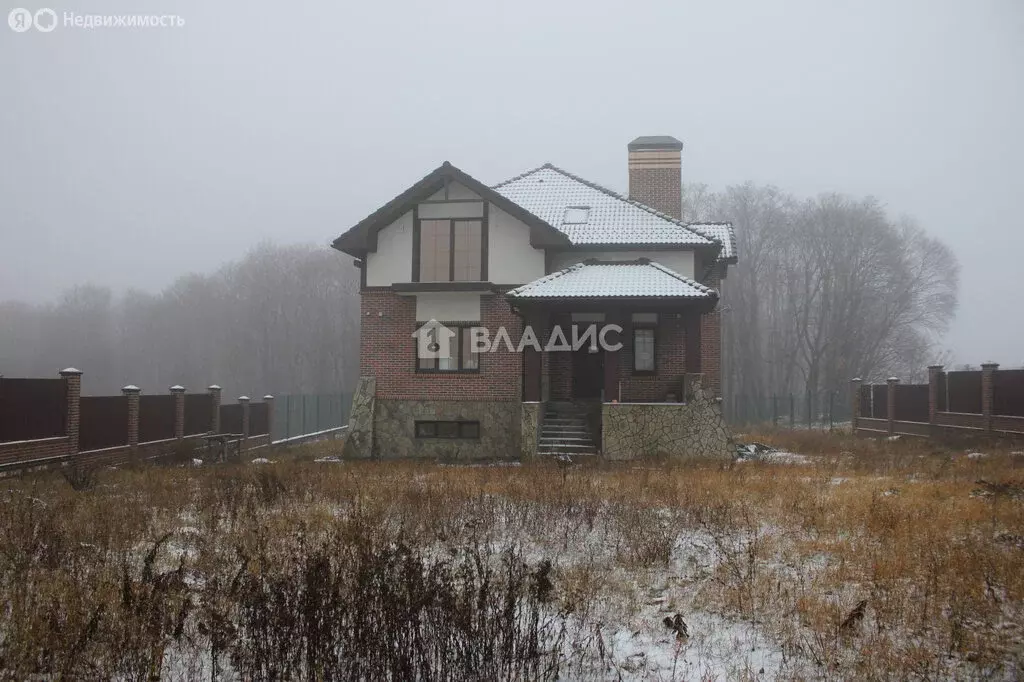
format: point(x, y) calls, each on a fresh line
point(524, 277)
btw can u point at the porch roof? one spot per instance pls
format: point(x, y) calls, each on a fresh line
point(623, 279)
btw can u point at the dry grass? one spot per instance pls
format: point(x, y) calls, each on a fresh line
point(158, 571)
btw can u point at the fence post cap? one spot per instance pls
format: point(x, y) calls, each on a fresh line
point(268, 397)
point(937, 368)
point(893, 380)
point(131, 388)
point(243, 398)
point(990, 365)
point(213, 387)
point(856, 379)
point(70, 371)
point(176, 388)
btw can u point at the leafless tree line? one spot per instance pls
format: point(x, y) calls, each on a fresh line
point(285, 319)
point(826, 289)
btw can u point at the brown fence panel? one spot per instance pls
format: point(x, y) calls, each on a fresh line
point(103, 422)
point(156, 417)
point(912, 402)
point(231, 418)
point(259, 419)
point(880, 392)
point(1008, 392)
point(964, 389)
point(865, 400)
point(198, 413)
point(32, 408)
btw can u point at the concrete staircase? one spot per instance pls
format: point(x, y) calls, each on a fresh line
point(566, 430)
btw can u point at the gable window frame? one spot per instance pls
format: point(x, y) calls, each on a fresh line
point(417, 243)
point(466, 361)
point(648, 330)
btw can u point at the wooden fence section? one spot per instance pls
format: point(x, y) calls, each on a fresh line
point(988, 401)
point(47, 423)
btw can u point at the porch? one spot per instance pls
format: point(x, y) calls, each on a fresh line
point(610, 335)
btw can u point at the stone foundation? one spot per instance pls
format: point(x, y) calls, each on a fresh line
point(530, 429)
point(359, 440)
point(394, 437)
point(694, 430)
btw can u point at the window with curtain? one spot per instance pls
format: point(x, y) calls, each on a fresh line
point(643, 349)
point(451, 250)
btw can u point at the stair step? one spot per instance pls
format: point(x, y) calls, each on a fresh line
point(566, 446)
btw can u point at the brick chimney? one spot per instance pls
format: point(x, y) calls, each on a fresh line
point(655, 173)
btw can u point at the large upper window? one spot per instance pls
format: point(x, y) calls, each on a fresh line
point(451, 250)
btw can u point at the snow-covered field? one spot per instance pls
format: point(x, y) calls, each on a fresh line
point(831, 559)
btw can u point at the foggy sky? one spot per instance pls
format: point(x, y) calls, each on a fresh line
point(131, 156)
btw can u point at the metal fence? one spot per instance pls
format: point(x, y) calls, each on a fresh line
point(300, 414)
point(811, 409)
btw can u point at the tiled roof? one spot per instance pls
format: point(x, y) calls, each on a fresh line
point(635, 279)
point(547, 192)
point(722, 232)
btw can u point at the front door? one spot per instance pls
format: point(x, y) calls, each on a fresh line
point(587, 374)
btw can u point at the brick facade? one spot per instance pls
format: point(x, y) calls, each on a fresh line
point(387, 352)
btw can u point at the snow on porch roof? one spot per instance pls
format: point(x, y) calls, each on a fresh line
point(632, 279)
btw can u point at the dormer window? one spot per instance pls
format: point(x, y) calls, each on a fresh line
point(576, 215)
point(450, 250)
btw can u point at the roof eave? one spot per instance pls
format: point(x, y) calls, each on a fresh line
point(362, 237)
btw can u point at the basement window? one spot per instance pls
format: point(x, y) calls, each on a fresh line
point(448, 429)
point(576, 215)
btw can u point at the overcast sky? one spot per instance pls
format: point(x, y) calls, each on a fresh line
point(131, 156)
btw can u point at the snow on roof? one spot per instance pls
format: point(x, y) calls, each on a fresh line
point(634, 279)
point(721, 232)
point(547, 192)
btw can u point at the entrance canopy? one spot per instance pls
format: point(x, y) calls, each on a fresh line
point(622, 280)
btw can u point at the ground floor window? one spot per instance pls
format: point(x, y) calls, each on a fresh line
point(460, 356)
point(447, 429)
point(643, 350)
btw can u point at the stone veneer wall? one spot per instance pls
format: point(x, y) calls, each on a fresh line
point(530, 429)
point(694, 430)
point(394, 434)
point(359, 440)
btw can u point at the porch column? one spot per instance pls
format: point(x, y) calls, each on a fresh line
point(693, 342)
point(611, 358)
point(532, 360)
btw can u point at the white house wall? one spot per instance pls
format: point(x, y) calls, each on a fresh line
point(511, 259)
point(679, 261)
point(448, 307)
point(392, 261)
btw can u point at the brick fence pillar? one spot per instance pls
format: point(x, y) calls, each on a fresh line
point(890, 403)
point(988, 371)
point(934, 373)
point(179, 411)
point(131, 392)
point(214, 391)
point(854, 403)
point(244, 402)
point(269, 400)
point(73, 382)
